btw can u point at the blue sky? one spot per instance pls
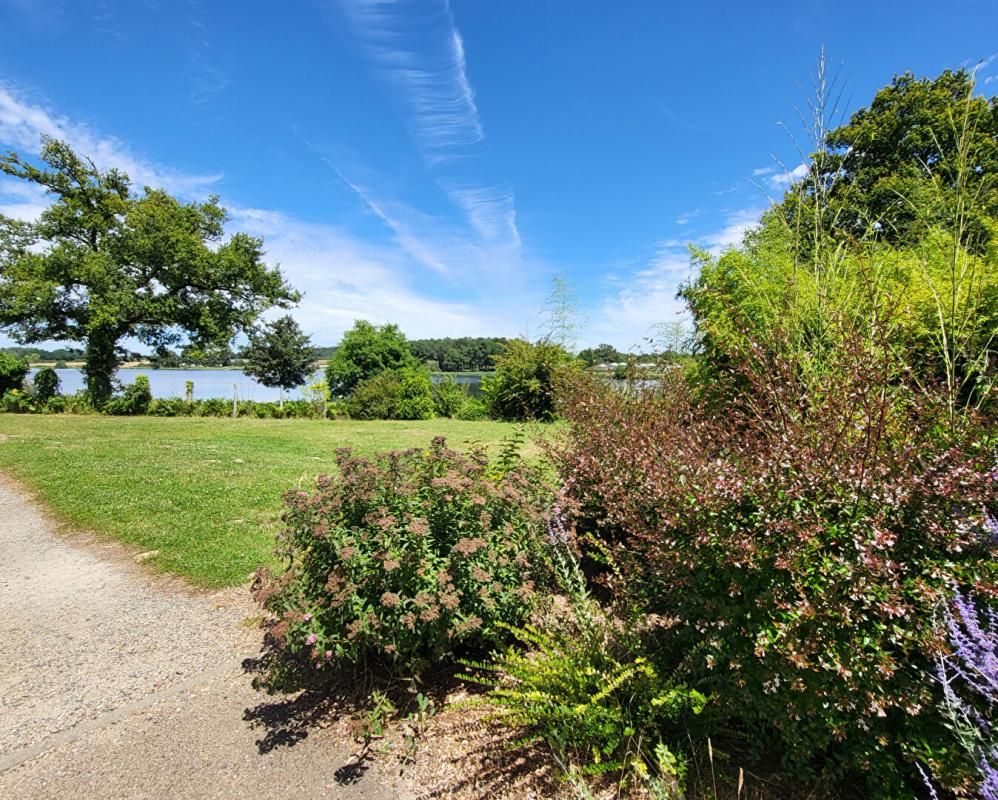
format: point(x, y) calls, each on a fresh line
point(436, 164)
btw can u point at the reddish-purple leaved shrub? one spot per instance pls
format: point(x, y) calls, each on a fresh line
point(795, 542)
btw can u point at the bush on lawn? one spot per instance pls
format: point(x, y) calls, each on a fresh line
point(402, 560)
point(393, 394)
point(473, 409)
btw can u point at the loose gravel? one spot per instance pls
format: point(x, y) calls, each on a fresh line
point(115, 683)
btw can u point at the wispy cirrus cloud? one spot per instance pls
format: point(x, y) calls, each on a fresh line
point(207, 76)
point(24, 123)
point(417, 52)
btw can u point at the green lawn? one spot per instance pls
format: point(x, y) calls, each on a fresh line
point(205, 492)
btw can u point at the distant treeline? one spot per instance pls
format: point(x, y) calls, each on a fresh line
point(464, 354)
point(34, 354)
point(461, 354)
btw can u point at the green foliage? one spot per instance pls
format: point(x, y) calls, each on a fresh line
point(403, 560)
point(376, 398)
point(449, 397)
point(17, 401)
point(473, 408)
point(886, 158)
point(134, 399)
point(46, 383)
point(900, 227)
point(365, 352)
point(415, 395)
point(576, 683)
point(13, 371)
point(603, 354)
point(102, 263)
point(524, 385)
point(393, 394)
point(279, 355)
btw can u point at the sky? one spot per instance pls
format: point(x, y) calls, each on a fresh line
point(438, 164)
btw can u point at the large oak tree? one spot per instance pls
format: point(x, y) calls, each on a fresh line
point(104, 263)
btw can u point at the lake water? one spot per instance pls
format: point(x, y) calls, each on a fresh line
point(210, 383)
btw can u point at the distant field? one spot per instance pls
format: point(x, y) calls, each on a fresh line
point(204, 492)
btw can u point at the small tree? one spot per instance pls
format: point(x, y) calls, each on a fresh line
point(367, 351)
point(103, 263)
point(280, 355)
point(46, 384)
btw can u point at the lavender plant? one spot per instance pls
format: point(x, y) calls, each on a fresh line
point(973, 668)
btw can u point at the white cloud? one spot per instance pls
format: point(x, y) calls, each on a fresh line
point(643, 298)
point(760, 171)
point(22, 200)
point(23, 124)
point(736, 225)
point(345, 279)
point(782, 180)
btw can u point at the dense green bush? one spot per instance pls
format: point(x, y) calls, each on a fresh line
point(472, 410)
point(13, 371)
point(134, 399)
point(17, 401)
point(213, 407)
point(404, 559)
point(56, 405)
point(170, 407)
point(46, 383)
point(449, 396)
point(415, 395)
point(800, 542)
point(524, 384)
point(393, 394)
point(375, 398)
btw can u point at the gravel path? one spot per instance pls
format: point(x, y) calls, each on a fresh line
point(115, 683)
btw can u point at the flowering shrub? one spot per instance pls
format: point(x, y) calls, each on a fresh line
point(797, 542)
point(405, 558)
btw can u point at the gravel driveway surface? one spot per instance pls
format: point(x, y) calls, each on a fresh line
point(118, 684)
